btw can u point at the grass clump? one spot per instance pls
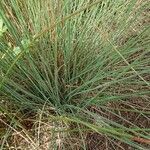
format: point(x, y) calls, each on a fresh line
point(75, 56)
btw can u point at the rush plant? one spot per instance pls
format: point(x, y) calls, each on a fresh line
point(75, 55)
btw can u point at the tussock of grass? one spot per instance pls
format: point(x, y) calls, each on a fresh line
point(71, 56)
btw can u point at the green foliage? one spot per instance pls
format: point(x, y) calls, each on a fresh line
point(3, 28)
point(74, 55)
